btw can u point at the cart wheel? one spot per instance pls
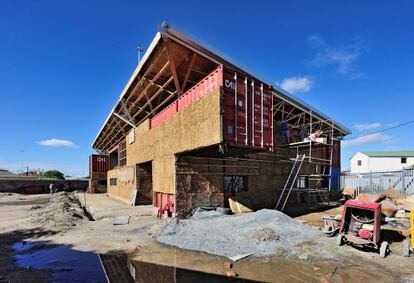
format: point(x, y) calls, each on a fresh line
point(406, 250)
point(384, 249)
point(339, 240)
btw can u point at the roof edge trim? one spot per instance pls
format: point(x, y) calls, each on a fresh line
point(144, 59)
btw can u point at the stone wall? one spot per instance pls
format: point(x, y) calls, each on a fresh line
point(38, 186)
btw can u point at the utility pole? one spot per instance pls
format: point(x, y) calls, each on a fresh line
point(139, 49)
point(22, 151)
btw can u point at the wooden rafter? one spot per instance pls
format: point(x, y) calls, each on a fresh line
point(174, 72)
point(160, 72)
point(187, 74)
point(158, 92)
point(160, 105)
point(145, 74)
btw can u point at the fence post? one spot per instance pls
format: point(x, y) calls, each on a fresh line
point(404, 189)
point(370, 181)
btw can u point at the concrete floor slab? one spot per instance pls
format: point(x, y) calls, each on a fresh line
point(102, 206)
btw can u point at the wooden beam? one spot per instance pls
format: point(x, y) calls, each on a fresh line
point(147, 98)
point(187, 74)
point(158, 85)
point(173, 70)
point(151, 66)
point(152, 98)
point(159, 105)
point(294, 116)
point(146, 88)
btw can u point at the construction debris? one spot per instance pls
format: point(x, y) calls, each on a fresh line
point(120, 220)
point(394, 195)
point(331, 224)
point(388, 208)
point(239, 257)
point(62, 212)
point(371, 197)
point(240, 205)
point(231, 274)
point(228, 265)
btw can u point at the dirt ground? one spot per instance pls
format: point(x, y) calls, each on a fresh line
point(30, 221)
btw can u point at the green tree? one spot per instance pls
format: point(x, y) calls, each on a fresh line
point(54, 174)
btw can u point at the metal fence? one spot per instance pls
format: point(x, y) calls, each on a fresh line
point(378, 182)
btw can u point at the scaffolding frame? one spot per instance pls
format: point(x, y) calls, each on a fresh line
point(320, 133)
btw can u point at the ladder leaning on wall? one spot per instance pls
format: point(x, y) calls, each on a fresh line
point(290, 182)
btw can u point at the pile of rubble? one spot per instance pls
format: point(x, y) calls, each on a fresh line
point(393, 203)
point(62, 212)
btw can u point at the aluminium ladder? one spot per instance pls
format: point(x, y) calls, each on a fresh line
point(290, 182)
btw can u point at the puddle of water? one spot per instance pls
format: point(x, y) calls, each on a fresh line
point(21, 247)
point(151, 272)
point(156, 263)
point(65, 263)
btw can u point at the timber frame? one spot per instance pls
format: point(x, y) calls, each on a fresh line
point(173, 64)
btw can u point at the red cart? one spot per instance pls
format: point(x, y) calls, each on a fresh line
point(361, 225)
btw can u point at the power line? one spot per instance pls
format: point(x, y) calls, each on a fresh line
point(383, 130)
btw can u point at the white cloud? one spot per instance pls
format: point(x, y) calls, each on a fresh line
point(367, 126)
point(57, 143)
point(373, 138)
point(342, 57)
point(296, 84)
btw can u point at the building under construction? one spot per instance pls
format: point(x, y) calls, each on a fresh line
point(191, 129)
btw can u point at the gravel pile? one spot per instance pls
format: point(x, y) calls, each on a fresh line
point(62, 212)
point(200, 213)
point(264, 233)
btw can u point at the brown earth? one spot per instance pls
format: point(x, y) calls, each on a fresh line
point(136, 240)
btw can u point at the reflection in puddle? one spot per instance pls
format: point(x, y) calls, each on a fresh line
point(65, 263)
point(150, 272)
point(158, 263)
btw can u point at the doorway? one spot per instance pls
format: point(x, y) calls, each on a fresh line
point(144, 183)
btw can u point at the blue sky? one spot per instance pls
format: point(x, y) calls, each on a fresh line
point(64, 63)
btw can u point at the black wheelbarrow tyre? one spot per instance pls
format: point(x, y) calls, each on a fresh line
point(384, 249)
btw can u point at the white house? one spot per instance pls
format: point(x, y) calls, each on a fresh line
point(380, 161)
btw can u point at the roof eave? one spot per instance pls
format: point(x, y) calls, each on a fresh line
point(144, 59)
point(220, 59)
point(307, 108)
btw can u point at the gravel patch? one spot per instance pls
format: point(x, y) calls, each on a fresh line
point(265, 232)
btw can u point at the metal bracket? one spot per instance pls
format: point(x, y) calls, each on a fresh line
point(124, 119)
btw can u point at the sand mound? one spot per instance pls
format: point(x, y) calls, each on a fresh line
point(62, 212)
point(265, 232)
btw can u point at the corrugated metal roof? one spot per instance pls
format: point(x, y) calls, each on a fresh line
point(401, 153)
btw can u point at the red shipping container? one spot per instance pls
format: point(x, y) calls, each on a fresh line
point(205, 86)
point(165, 114)
point(248, 112)
point(98, 163)
point(247, 108)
